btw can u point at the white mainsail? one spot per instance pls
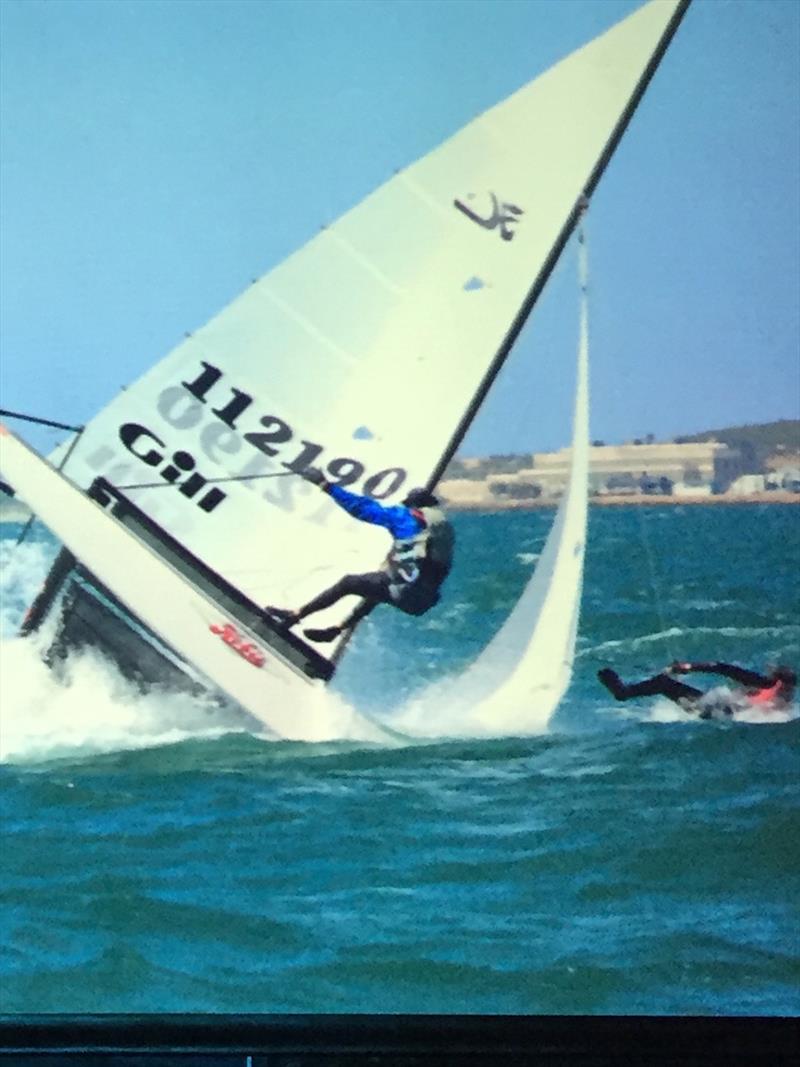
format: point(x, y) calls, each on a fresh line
point(362, 351)
point(366, 353)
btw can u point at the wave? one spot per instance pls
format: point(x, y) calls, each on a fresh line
point(91, 708)
point(23, 568)
point(787, 632)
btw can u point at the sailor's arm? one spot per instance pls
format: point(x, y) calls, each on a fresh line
point(727, 670)
point(365, 508)
point(398, 520)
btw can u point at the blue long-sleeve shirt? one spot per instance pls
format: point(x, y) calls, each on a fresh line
point(400, 521)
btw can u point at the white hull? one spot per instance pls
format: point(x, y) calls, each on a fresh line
point(280, 696)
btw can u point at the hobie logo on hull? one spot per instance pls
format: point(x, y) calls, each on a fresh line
point(246, 649)
point(139, 442)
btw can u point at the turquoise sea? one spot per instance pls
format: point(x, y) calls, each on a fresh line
point(158, 857)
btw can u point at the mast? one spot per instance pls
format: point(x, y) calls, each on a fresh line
point(559, 245)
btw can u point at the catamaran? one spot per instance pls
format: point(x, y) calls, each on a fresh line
point(181, 506)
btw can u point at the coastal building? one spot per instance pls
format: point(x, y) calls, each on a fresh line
point(747, 484)
point(783, 470)
point(695, 468)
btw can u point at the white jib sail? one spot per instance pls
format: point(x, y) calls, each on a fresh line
point(518, 681)
point(361, 352)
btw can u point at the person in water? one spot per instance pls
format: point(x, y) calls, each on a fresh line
point(769, 691)
point(419, 561)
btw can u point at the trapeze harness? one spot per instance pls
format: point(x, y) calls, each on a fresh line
point(418, 565)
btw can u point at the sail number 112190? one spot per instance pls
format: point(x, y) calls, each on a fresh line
point(276, 435)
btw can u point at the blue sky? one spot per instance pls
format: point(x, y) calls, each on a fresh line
point(156, 156)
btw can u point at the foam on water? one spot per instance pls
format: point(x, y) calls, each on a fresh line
point(91, 709)
point(527, 558)
point(665, 711)
point(23, 568)
point(88, 707)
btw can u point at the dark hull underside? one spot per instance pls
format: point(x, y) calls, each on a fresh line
point(90, 616)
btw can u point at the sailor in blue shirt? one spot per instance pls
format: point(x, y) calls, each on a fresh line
point(419, 561)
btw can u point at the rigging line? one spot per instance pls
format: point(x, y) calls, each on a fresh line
point(40, 422)
point(654, 583)
point(211, 481)
point(583, 206)
point(519, 422)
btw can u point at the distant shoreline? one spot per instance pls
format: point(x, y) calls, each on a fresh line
point(638, 500)
point(15, 511)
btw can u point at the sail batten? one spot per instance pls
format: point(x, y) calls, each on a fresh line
point(428, 198)
point(364, 261)
point(308, 326)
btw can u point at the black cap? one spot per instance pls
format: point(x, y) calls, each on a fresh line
point(420, 498)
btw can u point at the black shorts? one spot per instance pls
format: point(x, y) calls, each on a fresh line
point(413, 598)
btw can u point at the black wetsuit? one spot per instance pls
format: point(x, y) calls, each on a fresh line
point(687, 696)
point(410, 585)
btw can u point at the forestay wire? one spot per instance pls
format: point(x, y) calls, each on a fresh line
point(658, 600)
point(654, 582)
point(655, 586)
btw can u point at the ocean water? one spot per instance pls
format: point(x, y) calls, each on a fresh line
point(159, 857)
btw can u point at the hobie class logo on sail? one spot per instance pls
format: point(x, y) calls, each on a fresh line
point(491, 213)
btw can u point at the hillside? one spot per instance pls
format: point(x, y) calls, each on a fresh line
point(765, 437)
